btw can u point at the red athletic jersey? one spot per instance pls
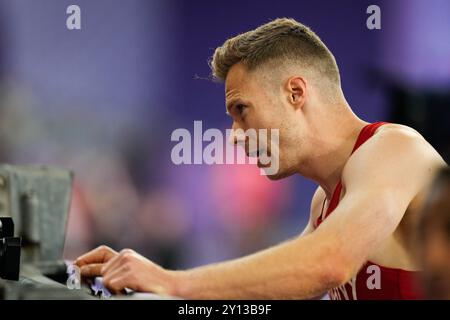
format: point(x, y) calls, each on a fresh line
point(372, 281)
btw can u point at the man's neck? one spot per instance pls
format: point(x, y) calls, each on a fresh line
point(335, 140)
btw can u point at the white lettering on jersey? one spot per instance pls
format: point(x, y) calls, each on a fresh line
point(374, 280)
point(341, 292)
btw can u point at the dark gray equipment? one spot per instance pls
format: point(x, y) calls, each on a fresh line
point(36, 199)
point(9, 250)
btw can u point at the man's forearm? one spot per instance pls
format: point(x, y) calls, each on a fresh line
point(297, 269)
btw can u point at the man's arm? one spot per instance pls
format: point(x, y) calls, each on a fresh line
point(380, 180)
point(98, 261)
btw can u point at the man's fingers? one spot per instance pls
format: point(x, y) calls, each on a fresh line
point(114, 274)
point(111, 265)
point(101, 254)
point(123, 256)
point(91, 270)
point(117, 283)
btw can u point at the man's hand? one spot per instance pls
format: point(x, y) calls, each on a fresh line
point(91, 263)
point(127, 269)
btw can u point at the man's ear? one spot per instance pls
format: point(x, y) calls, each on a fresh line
point(296, 88)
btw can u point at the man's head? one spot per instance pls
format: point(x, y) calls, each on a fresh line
point(435, 238)
point(277, 77)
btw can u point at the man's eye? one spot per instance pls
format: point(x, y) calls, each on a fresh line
point(240, 108)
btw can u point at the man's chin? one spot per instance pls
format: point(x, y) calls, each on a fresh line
point(274, 176)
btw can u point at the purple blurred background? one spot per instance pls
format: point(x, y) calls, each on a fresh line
point(104, 100)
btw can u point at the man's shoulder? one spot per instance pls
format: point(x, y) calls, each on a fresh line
point(394, 140)
point(391, 134)
point(393, 151)
point(397, 130)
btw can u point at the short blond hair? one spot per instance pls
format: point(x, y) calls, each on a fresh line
point(281, 39)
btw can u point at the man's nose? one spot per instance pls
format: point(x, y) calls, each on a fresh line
point(237, 135)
